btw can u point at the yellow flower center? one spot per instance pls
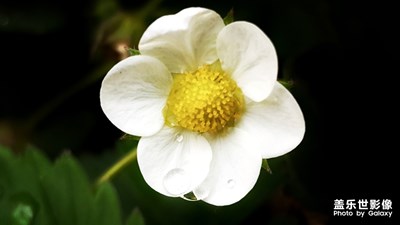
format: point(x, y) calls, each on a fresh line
point(205, 100)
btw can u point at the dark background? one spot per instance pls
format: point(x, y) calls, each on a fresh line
point(341, 56)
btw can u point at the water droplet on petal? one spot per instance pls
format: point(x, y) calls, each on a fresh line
point(179, 137)
point(176, 181)
point(231, 183)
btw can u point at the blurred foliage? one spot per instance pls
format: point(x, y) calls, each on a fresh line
point(36, 191)
point(33, 190)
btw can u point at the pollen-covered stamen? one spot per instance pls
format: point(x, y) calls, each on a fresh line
point(206, 100)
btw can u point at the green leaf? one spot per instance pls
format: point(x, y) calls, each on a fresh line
point(1, 191)
point(32, 166)
point(20, 191)
point(37, 163)
point(107, 209)
point(229, 18)
point(67, 193)
point(135, 218)
point(6, 161)
point(34, 191)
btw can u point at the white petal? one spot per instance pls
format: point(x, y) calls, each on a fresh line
point(174, 162)
point(234, 169)
point(183, 41)
point(133, 94)
point(277, 122)
point(248, 54)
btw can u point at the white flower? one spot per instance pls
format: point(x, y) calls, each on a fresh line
point(205, 99)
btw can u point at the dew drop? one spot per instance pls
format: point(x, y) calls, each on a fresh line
point(23, 208)
point(179, 137)
point(176, 181)
point(22, 214)
point(231, 183)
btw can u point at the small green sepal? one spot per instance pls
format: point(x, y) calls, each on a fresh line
point(265, 166)
point(132, 51)
point(288, 84)
point(229, 17)
point(129, 137)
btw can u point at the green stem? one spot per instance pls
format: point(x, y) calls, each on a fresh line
point(117, 167)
